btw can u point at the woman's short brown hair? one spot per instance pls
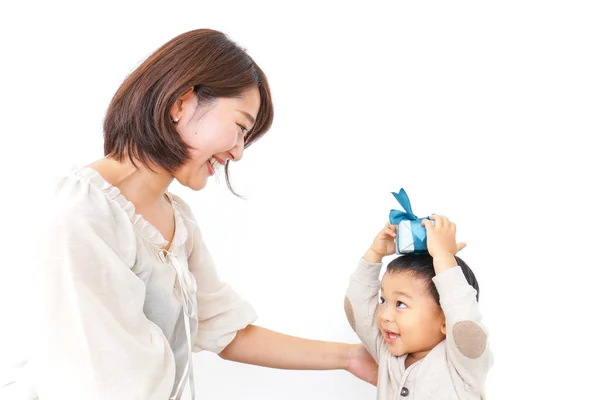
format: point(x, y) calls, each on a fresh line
point(138, 122)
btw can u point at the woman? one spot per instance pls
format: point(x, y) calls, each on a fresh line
point(128, 289)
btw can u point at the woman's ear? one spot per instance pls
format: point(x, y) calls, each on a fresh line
point(177, 110)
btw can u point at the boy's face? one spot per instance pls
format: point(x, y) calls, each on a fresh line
point(408, 317)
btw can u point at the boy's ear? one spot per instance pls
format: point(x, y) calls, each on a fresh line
point(443, 327)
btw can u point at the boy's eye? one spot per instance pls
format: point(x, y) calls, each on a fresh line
point(381, 300)
point(400, 304)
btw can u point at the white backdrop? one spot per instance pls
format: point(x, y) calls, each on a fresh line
point(483, 112)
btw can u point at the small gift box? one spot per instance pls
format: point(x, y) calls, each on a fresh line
point(411, 237)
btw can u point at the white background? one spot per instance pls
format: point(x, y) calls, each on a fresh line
point(482, 111)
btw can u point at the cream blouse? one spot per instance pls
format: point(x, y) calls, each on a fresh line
point(119, 317)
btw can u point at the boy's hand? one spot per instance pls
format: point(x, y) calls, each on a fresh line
point(441, 242)
point(383, 244)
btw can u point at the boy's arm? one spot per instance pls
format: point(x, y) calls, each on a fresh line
point(467, 346)
point(362, 298)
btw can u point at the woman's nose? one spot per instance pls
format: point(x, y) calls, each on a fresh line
point(238, 151)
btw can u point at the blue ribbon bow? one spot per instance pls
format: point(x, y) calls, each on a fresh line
point(419, 233)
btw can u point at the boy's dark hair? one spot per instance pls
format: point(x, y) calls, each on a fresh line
point(421, 265)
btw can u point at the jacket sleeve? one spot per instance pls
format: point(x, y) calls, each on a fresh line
point(467, 346)
point(360, 305)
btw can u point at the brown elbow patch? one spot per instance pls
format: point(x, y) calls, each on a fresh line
point(469, 338)
point(349, 313)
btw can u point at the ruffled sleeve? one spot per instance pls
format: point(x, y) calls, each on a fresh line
point(221, 311)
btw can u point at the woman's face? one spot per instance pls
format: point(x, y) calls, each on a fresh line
point(215, 133)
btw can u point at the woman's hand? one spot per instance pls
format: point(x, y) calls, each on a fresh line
point(362, 365)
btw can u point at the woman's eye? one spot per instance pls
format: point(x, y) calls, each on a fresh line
point(243, 128)
point(400, 304)
point(381, 300)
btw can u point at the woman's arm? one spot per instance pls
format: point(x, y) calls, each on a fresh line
point(259, 346)
point(225, 326)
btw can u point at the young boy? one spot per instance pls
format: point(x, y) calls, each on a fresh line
point(426, 333)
